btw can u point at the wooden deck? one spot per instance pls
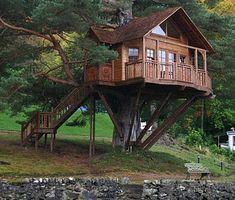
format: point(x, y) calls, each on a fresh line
point(159, 74)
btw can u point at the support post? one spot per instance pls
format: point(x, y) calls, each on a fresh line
point(45, 141)
point(36, 141)
point(92, 127)
point(154, 116)
point(22, 135)
point(52, 141)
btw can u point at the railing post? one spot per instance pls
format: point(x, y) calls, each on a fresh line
point(144, 74)
point(196, 64)
point(205, 67)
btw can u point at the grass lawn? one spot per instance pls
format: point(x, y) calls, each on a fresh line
point(104, 125)
point(71, 156)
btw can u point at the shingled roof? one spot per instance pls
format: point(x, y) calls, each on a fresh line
point(139, 27)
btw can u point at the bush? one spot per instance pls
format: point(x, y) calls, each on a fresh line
point(195, 138)
point(220, 151)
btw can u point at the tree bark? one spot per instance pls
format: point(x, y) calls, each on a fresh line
point(123, 112)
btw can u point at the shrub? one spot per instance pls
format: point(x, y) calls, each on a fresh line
point(195, 138)
point(220, 151)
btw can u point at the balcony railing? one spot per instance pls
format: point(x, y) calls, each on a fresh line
point(167, 71)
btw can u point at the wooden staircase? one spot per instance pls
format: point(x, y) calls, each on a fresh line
point(43, 123)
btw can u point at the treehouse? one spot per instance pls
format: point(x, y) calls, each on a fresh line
point(165, 48)
point(161, 57)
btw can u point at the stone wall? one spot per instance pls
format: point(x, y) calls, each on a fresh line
point(113, 188)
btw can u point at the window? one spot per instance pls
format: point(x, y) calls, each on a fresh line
point(162, 63)
point(171, 57)
point(133, 54)
point(161, 29)
point(171, 60)
point(162, 56)
point(167, 28)
point(233, 140)
point(150, 54)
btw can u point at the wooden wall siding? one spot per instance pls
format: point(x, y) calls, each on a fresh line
point(151, 43)
point(137, 43)
point(118, 65)
point(102, 73)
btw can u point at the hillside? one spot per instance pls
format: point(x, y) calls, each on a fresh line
point(70, 156)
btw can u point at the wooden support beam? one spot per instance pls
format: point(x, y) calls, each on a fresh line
point(111, 114)
point(36, 141)
point(153, 118)
point(52, 145)
point(92, 127)
point(133, 116)
point(45, 141)
point(152, 139)
point(22, 135)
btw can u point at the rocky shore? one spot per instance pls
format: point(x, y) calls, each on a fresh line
point(113, 188)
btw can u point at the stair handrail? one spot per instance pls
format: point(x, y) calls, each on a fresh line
point(66, 98)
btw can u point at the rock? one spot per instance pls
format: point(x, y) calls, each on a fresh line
point(109, 188)
point(124, 180)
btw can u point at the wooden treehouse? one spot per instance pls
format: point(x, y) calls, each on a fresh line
point(162, 57)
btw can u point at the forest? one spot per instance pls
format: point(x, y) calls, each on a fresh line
point(37, 70)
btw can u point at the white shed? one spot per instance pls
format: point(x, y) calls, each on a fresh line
point(231, 139)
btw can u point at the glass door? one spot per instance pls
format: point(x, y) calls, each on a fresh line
point(171, 63)
point(162, 63)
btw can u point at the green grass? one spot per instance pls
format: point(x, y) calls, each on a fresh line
point(8, 122)
point(71, 155)
point(190, 155)
point(104, 125)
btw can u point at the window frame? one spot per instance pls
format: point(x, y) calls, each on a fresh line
point(133, 58)
point(151, 56)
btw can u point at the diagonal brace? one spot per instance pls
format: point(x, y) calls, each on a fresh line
point(111, 114)
point(154, 116)
point(134, 111)
point(152, 139)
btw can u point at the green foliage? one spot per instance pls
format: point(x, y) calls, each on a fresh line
point(80, 120)
point(220, 151)
point(195, 138)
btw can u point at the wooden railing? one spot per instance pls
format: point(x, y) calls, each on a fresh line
point(167, 71)
point(49, 120)
point(99, 73)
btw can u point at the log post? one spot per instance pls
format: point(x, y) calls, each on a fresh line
point(45, 141)
point(92, 127)
point(36, 141)
point(52, 141)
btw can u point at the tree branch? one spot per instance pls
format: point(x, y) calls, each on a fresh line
point(64, 58)
point(61, 81)
point(21, 29)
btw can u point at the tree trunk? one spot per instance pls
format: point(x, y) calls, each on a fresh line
point(124, 114)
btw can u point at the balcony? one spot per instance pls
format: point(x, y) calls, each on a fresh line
point(177, 74)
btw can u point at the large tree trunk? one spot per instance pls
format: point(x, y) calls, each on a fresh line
point(124, 114)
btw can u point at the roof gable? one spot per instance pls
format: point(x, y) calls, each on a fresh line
point(139, 27)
